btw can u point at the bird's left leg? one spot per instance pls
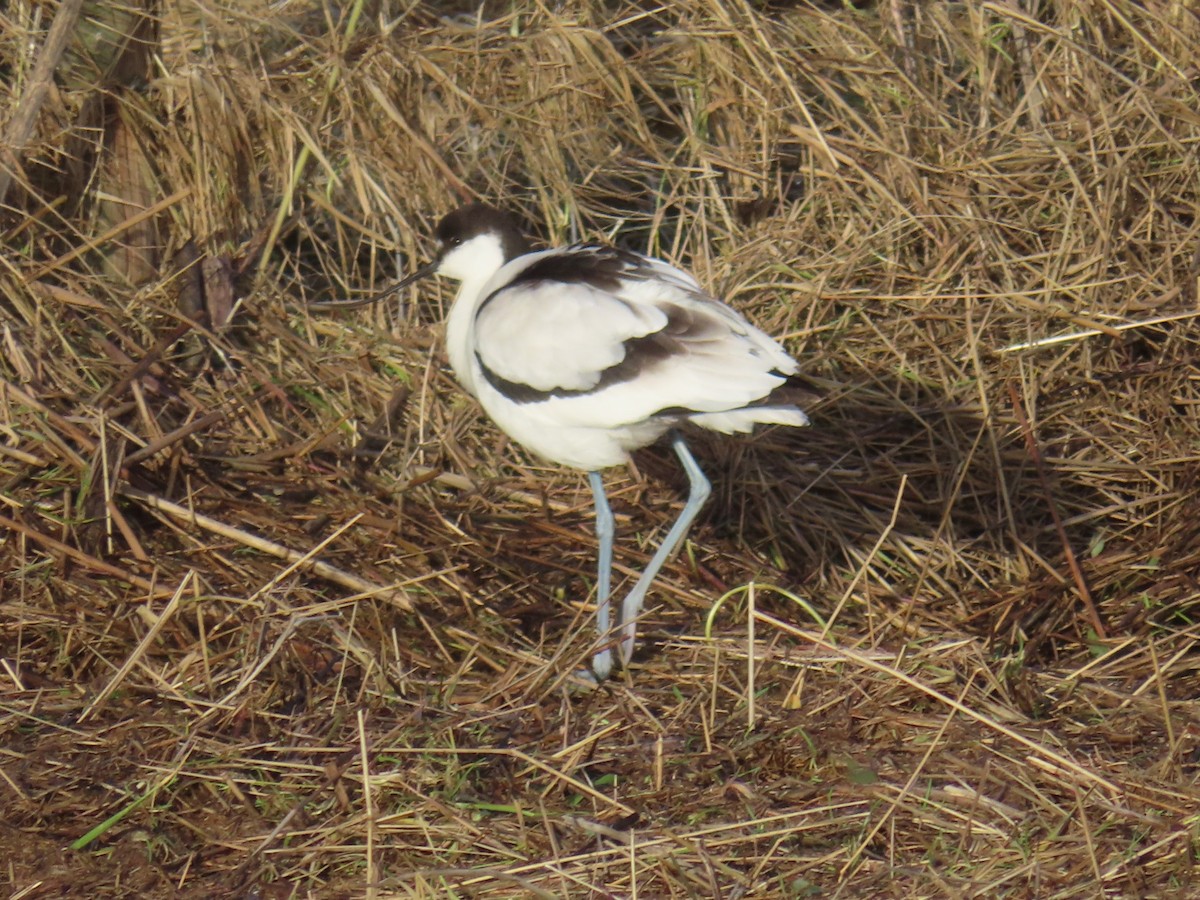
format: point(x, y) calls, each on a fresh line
point(603, 660)
point(698, 493)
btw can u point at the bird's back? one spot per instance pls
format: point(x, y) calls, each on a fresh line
point(617, 347)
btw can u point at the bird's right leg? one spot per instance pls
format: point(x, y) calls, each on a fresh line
point(603, 660)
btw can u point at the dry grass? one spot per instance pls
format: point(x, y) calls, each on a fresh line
point(976, 225)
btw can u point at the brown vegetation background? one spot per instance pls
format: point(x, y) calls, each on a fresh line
point(282, 614)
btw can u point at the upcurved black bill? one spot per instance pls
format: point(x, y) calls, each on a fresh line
point(423, 272)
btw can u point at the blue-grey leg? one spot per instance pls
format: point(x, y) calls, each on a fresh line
point(698, 493)
point(603, 660)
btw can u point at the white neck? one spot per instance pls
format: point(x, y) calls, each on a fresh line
point(473, 262)
point(460, 345)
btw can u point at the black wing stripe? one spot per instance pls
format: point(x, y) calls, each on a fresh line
point(683, 327)
point(641, 354)
point(597, 266)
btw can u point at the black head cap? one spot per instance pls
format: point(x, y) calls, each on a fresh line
point(475, 219)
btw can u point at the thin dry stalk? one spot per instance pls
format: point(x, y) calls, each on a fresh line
point(934, 205)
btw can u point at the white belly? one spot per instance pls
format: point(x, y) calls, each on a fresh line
point(538, 428)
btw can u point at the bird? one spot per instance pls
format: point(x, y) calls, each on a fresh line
point(587, 352)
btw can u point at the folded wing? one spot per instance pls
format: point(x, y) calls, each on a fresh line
point(611, 338)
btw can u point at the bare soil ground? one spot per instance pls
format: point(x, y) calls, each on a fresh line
point(283, 615)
